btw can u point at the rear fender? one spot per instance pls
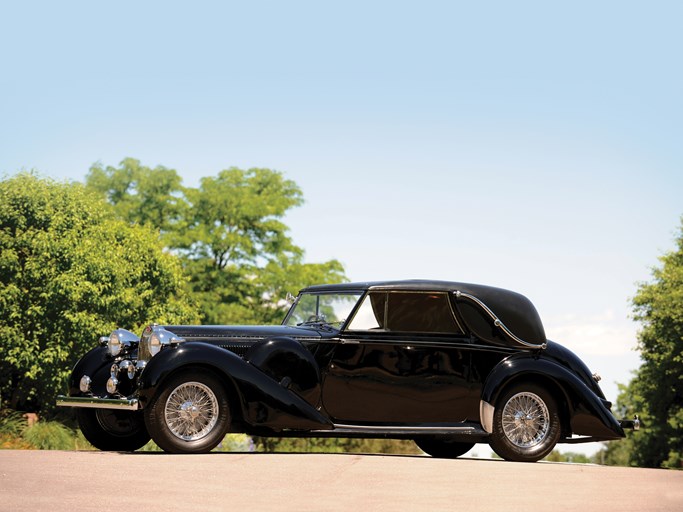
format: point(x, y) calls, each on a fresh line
point(264, 402)
point(586, 412)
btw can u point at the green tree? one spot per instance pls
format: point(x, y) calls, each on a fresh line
point(240, 258)
point(69, 272)
point(235, 218)
point(656, 391)
point(140, 194)
point(236, 250)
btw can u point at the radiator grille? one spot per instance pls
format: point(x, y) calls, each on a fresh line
point(238, 348)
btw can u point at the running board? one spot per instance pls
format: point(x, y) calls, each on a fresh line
point(466, 429)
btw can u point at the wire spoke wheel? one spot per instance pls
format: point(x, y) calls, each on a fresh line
point(526, 423)
point(526, 420)
point(191, 411)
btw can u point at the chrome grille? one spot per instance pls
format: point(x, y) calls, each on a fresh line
point(144, 353)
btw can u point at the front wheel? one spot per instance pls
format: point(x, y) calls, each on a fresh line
point(526, 424)
point(190, 414)
point(442, 448)
point(111, 430)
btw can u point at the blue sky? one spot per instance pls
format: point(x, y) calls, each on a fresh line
point(525, 145)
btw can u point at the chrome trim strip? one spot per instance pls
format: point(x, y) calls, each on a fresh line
point(486, 411)
point(383, 428)
point(457, 322)
point(122, 404)
point(497, 322)
point(418, 340)
point(470, 429)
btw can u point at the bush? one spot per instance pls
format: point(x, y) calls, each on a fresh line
point(70, 272)
point(333, 445)
point(50, 435)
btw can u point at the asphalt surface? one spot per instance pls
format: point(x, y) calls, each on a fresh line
point(83, 481)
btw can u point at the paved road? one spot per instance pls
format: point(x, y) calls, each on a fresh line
point(74, 481)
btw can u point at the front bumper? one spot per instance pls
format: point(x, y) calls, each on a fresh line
point(121, 404)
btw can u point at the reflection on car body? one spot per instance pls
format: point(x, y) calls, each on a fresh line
point(445, 364)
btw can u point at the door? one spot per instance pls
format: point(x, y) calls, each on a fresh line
point(402, 360)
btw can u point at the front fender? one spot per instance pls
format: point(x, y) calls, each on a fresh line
point(288, 362)
point(95, 364)
point(587, 414)
point(263, 401)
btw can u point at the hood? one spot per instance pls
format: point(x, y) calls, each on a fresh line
point(217, 334)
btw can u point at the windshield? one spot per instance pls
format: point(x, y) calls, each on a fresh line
point(322, 308)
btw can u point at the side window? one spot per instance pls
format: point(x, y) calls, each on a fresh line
point(406, 312)
point(371, 313)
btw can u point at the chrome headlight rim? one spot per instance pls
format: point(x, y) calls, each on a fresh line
point(120, 342)
point(154, 339)
point(85, 384)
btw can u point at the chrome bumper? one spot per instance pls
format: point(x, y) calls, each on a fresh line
point(122, 404)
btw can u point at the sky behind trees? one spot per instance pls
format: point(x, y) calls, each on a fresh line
point(530, 146)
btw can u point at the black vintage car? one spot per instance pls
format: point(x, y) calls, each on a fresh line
point(445, 364)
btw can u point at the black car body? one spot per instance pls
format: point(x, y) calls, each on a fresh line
point(446, 364)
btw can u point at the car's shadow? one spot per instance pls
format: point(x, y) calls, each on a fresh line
point(316, 454)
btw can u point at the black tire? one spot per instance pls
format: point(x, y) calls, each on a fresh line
point(526, 424)
point(113, 431)
point(190, 414)
point(442, 448)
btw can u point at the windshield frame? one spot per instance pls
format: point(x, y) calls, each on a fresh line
point(337, 324)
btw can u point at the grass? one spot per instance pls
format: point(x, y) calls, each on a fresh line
point(17, 434)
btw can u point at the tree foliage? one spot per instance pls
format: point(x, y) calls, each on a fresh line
point(69, 272)
point(235, 217)
point(140, 194)
point(335, 445)
point(134, 246)
point(235, 248)
point(656, 391)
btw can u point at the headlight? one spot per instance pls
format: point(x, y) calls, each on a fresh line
point(156, 340)
point(128, 368)
point(120, 340)
point(153, 340)
point(84, 384)
point(114, 344)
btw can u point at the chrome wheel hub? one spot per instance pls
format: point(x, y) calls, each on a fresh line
point(526, 420)
point(191, 411)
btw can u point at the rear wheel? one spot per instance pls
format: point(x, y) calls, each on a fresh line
point(112, 430)
point(442, 448)
point(190, 414)
point(526, 424)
